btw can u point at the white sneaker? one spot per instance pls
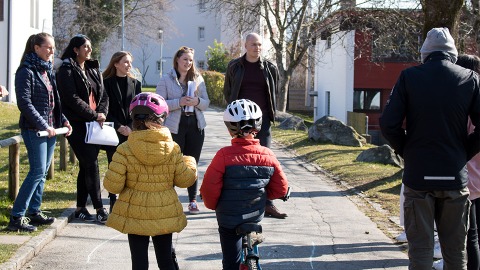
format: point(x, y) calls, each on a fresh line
point(402, 238)
point(437, 251)
point(438, 265)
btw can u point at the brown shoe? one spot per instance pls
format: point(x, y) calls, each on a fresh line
point(272, 211)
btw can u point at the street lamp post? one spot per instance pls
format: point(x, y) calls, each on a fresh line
point(160, 35)
point(123, 25)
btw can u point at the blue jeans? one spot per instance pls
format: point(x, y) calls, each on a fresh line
point(40, 152)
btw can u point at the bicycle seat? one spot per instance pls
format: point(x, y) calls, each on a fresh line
point(246, 228)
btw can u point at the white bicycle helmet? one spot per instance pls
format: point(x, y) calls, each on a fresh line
point(243, 116)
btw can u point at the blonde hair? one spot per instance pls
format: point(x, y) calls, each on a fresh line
point(192, 72)
point(111, 71)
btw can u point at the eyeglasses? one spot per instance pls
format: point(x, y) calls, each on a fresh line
point(50, 48)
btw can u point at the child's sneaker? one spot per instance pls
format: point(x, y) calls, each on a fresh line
point(193, 208)
point(402, 238)
point(102, 215)
point(20, 224)
point(40, 219)
point(84, 215)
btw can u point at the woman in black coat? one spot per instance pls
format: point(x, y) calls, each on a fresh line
point(84, 100)
point(121, 86)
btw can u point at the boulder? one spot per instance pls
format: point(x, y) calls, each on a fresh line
point(293, 122)
point(328, 129)
point(382, 154)
point(282, 116)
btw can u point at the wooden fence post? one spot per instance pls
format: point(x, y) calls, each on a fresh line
point(63, 153)
point(71, 155)
point(51, 169)
point(13, 170)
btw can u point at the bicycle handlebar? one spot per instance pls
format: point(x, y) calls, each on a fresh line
point(58, 131)
point(287, 196)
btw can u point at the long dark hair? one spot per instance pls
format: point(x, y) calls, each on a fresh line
point(75, 42)
point(35, 39)
point(192, 72)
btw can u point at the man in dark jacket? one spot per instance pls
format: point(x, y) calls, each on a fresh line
point(254, 78)
point(435, 100)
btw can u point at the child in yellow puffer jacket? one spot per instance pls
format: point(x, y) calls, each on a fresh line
point(144, 171)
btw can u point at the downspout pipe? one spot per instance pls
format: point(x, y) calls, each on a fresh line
point(9, 41)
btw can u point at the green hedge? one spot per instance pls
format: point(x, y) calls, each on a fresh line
point(214, 83)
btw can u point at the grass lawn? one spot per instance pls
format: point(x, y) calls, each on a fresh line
point(59, 193)
point(377, 182)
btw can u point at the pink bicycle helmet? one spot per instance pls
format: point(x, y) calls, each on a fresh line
point(144, 104)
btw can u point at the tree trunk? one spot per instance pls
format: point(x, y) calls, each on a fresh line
point(282, 97)
point(441, 13)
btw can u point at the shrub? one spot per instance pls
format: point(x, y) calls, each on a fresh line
point(217, 57)
point(214, 83)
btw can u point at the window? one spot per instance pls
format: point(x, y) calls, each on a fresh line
point(201, 33)
point(1, 10)
point(202, 5)
point(329, 42)
point(201, 64)
point(327, 103)
point(366, 100)
point(395, 48)
point(158, 66)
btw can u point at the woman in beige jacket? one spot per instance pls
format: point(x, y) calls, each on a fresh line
point(144, 171)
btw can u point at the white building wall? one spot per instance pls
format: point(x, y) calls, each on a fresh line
point(334, 73)
point(27, 17)
point(186, 18)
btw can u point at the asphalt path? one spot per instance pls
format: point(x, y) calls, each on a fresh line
point(324, 229)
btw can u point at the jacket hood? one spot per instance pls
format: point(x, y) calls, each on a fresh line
point(151, 146)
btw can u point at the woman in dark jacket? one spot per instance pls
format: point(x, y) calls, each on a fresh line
point(121, 86)
point(40, 110)
point(84, 100)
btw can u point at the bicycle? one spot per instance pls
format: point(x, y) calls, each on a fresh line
point(251, 238)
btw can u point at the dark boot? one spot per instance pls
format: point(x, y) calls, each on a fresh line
point(272, 211)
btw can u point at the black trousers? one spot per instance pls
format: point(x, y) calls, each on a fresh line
point(88, 179)
point(110, 150)
point(139, 251)
point(265, 137)
point(473, 253)
point(190, 139)
point(231, 248)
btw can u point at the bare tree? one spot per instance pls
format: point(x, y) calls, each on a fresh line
point(441, 13)
point(288, 24)
point(98, 19)
point(146, 53)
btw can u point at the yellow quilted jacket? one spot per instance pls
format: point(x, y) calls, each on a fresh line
point(144, 171)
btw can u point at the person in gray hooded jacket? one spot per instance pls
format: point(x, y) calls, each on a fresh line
point(435, 100)
point(186, 120)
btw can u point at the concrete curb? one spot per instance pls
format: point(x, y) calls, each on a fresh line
point(33, 246)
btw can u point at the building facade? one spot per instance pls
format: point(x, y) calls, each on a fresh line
point(18, 20)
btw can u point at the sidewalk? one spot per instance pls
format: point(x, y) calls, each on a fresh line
point(324, 230)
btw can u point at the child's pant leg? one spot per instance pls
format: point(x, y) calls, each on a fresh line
point(163, 251)
point(139, 251)
point(231, 248)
